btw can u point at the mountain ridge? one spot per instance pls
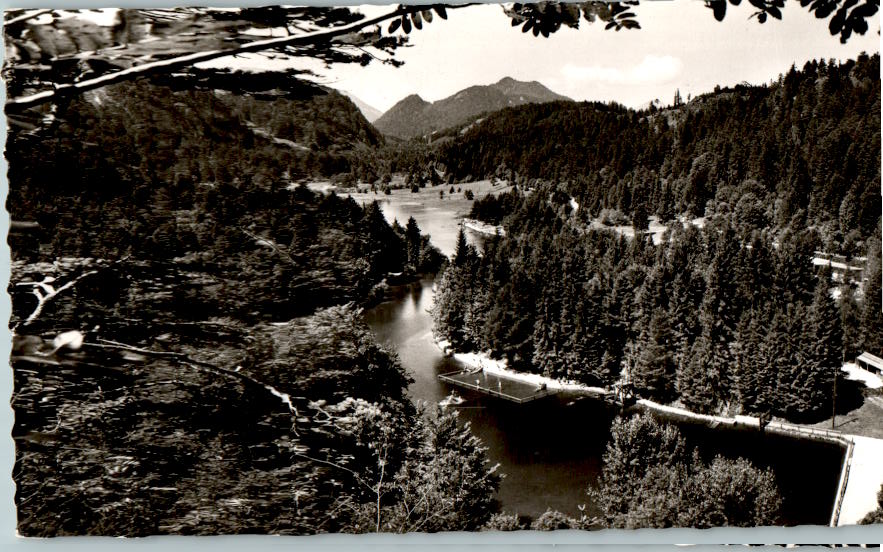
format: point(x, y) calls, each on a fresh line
point(413, 116)
point(370, 112)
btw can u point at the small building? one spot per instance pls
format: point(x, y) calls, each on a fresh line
point(871, 363)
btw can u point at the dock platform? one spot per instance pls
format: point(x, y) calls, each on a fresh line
point(497, 385)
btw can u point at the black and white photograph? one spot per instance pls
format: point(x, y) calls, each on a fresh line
point(399, 268)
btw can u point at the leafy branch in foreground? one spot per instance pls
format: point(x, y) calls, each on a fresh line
point(69, 54)
point(846, 16)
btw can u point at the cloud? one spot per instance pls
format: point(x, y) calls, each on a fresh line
point(652, 69)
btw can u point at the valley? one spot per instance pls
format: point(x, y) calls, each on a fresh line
point(234, 291)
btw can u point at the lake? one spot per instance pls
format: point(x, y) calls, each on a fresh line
point(550, 450)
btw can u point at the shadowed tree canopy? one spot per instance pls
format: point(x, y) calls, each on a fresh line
point(54, 54)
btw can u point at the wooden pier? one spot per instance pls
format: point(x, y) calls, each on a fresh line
point(497, 385)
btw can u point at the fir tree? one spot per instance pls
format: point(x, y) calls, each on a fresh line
point(654, 372)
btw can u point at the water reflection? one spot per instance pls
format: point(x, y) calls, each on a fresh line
point(550, 450)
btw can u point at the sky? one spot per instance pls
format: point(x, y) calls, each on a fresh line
point(679, 47)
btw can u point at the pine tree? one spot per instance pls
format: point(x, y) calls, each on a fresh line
point(461, 253)
point(654, 372)
point(412, 242)
point(872, 300)
point(850, 315)
point(696, 379)
point(747, 356)
point(827, 331)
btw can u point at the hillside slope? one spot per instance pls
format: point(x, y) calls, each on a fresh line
point(807, 146)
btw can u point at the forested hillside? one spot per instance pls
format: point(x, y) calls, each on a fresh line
point(805, 146)
point(185, 133)
point(189, 352)
point(727, 314)
point(730, 318)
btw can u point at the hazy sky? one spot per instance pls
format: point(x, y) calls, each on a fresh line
point(680, 46)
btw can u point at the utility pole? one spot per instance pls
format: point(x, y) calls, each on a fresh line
point(834, 401)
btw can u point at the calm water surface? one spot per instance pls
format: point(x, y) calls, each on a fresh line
point(550, 450)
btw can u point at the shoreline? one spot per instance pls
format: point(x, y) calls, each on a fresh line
point(856, 489)
point(498, 367)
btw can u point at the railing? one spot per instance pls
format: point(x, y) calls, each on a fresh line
point(828, 435)
point(489, 391)
point(841, 487)
point(824, 434)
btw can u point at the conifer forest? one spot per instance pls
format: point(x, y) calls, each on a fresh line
point(246, 302)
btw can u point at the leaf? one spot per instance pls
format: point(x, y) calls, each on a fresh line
point(418, 21)
point(440, 10)
point(427, 15)
point(824, 10)
point(572, 12)
point(719, 7)
point(406, 24)
point(837, 21)
point(394, 26)
point(527, 25)
point(775, 12)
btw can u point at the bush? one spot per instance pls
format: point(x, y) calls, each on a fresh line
point(614, 217)
point(504, 521)
point(553, 520)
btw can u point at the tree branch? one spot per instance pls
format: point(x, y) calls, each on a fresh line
point(25, 17)
point(338, 466)
point(166, 65)
point(272, 244)
point(43, 299)
point(203, 366)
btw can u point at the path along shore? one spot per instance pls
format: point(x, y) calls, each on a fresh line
point(861, 472)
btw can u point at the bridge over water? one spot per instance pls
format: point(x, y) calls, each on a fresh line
point(499, 386)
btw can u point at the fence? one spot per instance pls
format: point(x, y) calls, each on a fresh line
point(841, 487)
point(459, 378)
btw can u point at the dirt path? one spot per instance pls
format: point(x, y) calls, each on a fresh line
point(865, 478)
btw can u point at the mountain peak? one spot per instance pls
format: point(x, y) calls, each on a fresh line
point(413, 116)
point(531, 92)
point(413, 98)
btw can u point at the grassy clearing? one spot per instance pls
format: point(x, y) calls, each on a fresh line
point(430, 197)
point(866, 420)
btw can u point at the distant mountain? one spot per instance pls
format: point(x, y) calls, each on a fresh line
point(413, 116)
point(370, 112)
